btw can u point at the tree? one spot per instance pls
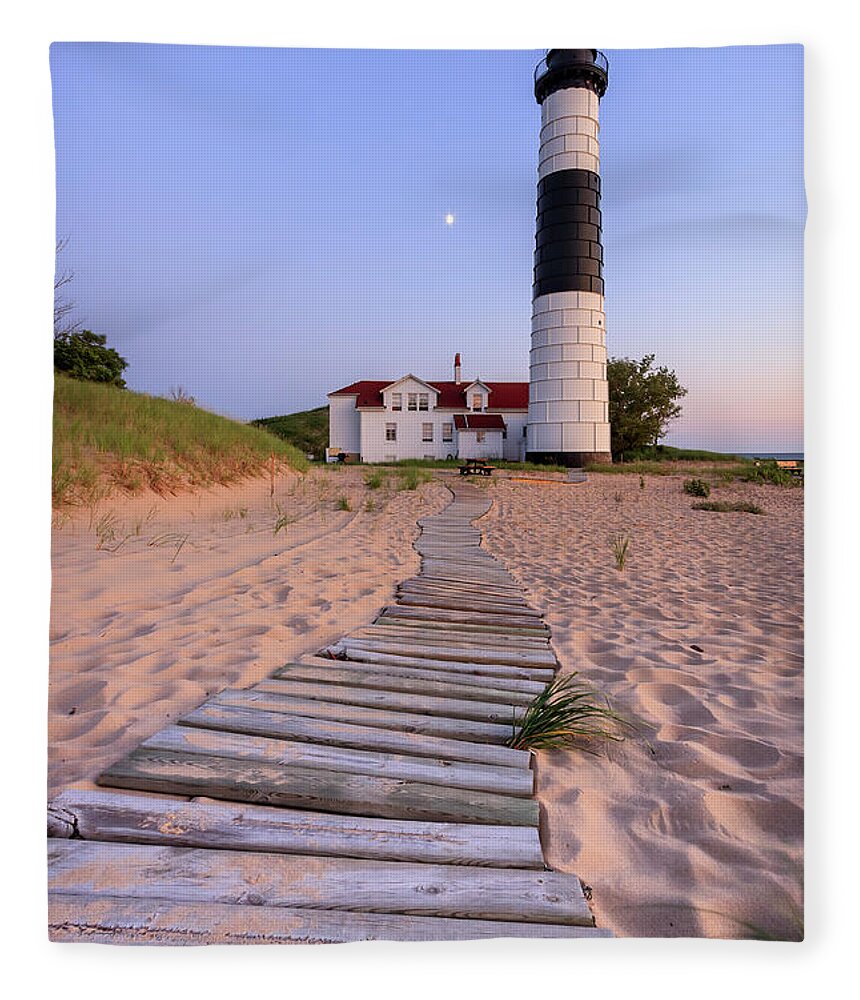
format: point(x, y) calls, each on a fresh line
point(63, 307)
point(85, 355)
point(643, 400)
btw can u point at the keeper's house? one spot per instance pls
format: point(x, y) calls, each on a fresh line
point(378, 421)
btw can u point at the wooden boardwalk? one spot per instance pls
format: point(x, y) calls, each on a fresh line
point(363, 793)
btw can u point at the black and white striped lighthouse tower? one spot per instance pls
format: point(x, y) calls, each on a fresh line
point(568, 419)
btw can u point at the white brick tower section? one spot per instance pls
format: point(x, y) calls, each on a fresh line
point(568, 419)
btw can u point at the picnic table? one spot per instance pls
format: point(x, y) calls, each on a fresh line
point(476, 467)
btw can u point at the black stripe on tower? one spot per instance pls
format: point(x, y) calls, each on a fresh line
point(568, 248)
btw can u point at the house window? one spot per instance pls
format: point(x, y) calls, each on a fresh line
point(447, 432)
point(525, 430)
point(396, 400)
point(423, 400)
point(412, 400)
point(481, 436)
point(391, 432)
point(427, 432)
point(477, 401)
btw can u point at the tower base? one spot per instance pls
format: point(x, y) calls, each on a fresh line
point(569, 459)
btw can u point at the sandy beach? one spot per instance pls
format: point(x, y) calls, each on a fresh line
point(693, 826)
point(144, 633)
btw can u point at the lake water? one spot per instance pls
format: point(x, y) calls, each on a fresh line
point(781, 456)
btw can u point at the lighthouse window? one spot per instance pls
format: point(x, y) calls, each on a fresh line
point(391, 432)
point(427, 432)
point(412, 401)
point(447, 432)
point(396, 400)
point(423, 400)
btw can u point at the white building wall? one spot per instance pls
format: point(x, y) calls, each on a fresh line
point(490, 447)
point(409, 443)
point(344, 424)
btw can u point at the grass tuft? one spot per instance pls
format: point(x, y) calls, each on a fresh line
point(724, 507)
point(567, 713)
point(620, 545)
point(411, 477)
point(374, 480)
point(343, 503)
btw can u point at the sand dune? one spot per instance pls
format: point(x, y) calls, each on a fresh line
point(201, 594)
point(695, 825)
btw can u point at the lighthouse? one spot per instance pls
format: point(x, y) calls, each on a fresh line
point(568, 418)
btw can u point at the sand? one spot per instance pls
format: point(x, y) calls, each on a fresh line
point(144, 633)
point(693, 826)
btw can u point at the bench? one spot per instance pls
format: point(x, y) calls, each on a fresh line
point(476, 467)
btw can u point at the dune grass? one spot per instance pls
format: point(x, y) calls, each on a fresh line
point(726, 507)
point(567, 713)
point(106, 438)
point(306, 430)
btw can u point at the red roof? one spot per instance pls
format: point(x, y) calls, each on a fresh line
point(503, 395)
point(479, 422)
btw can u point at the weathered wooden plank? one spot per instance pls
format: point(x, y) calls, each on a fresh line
point(449, 638)
point(430, 770)
point(394, 701)
point(178, 773)
point(125, 920)
point(193, 875)
point(542, 636)
point(406, 722)
point(429, 587)
point(464, 617)
point(510, 589)
point(453, 678)
point(464, 604)
point(371, 676)
point(138, 819)
point(258, 722)
point(500, 670)
point(441, 637)
point(475, 654)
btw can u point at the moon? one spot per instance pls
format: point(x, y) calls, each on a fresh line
point(449, 219)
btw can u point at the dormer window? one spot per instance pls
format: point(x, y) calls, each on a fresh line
point(396, 400)
point(477, 401)
point(423, 400)
point(412, 400)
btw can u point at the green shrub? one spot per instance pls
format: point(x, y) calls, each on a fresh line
point(770, 472)
point(697, 488)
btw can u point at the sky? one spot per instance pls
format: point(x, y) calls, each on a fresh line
point(262, 226)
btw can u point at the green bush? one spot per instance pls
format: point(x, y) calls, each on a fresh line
point(769, 472)
point(697, 488)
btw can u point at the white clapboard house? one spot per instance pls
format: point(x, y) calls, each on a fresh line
point(386, 421)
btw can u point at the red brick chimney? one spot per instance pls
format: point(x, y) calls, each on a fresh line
point(458, 374)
